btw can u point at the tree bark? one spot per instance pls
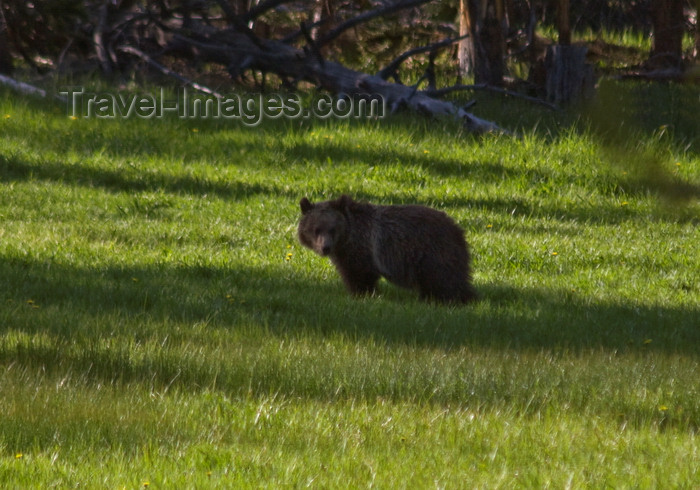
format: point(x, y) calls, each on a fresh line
point(482, 53)
point(466, 49)
point(696, 48)
point(323, 14)
point(563, 23)
point(27, 89)
point(289, 63)
point(668, 26)
point(568, 77)
point(6, 63)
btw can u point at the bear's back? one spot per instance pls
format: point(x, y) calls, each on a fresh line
point(405, 237)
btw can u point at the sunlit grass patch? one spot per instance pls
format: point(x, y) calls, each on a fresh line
point(160, 325)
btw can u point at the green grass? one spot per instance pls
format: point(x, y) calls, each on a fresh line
point(154, 329)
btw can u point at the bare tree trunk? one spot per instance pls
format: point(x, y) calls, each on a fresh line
point(465, 52)
point(99, 41)
point(290, 63)
point(563, 23)
point(6, 65)
point(240, 7)
point(568, 77)
point(482, 53)
point(696, 28)
point(27, 89)
point(323, 14)
point(696, 49)
point(493, 43)
point(667, 20)
point(509, 18)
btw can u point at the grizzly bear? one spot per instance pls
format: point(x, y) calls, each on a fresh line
point(411, 246)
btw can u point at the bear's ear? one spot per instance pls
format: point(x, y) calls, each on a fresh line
point(305, 205)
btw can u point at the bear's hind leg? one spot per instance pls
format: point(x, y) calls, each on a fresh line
point(444, 285)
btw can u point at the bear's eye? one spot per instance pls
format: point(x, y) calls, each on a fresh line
point(331, 230)
point(317, 231)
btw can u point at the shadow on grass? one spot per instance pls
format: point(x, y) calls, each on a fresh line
point(116, 325)
point(69, 302)
point(16, 169)
point(177, 141)
point(13, 168)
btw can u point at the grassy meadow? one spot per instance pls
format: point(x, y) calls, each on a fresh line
point(161, 327)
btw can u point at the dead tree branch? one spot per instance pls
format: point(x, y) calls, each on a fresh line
point(489, 88)
point(27, 89)
point(167, 71)
point(391, 70)
point(291, 63)
point(365, 16)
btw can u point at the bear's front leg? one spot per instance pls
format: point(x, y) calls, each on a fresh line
point(363, 287)
point(358, 281)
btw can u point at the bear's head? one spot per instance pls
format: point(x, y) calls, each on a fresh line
point(323, 225)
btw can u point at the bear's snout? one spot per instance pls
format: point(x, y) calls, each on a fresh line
point(323, 245)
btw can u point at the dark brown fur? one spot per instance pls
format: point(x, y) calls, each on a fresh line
point(412, 246)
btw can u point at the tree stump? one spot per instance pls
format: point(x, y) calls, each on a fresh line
point(568, 77)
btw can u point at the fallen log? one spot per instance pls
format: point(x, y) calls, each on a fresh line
point(490, 88)
point(167, 71)
point(237, 52)
point(27, 89)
